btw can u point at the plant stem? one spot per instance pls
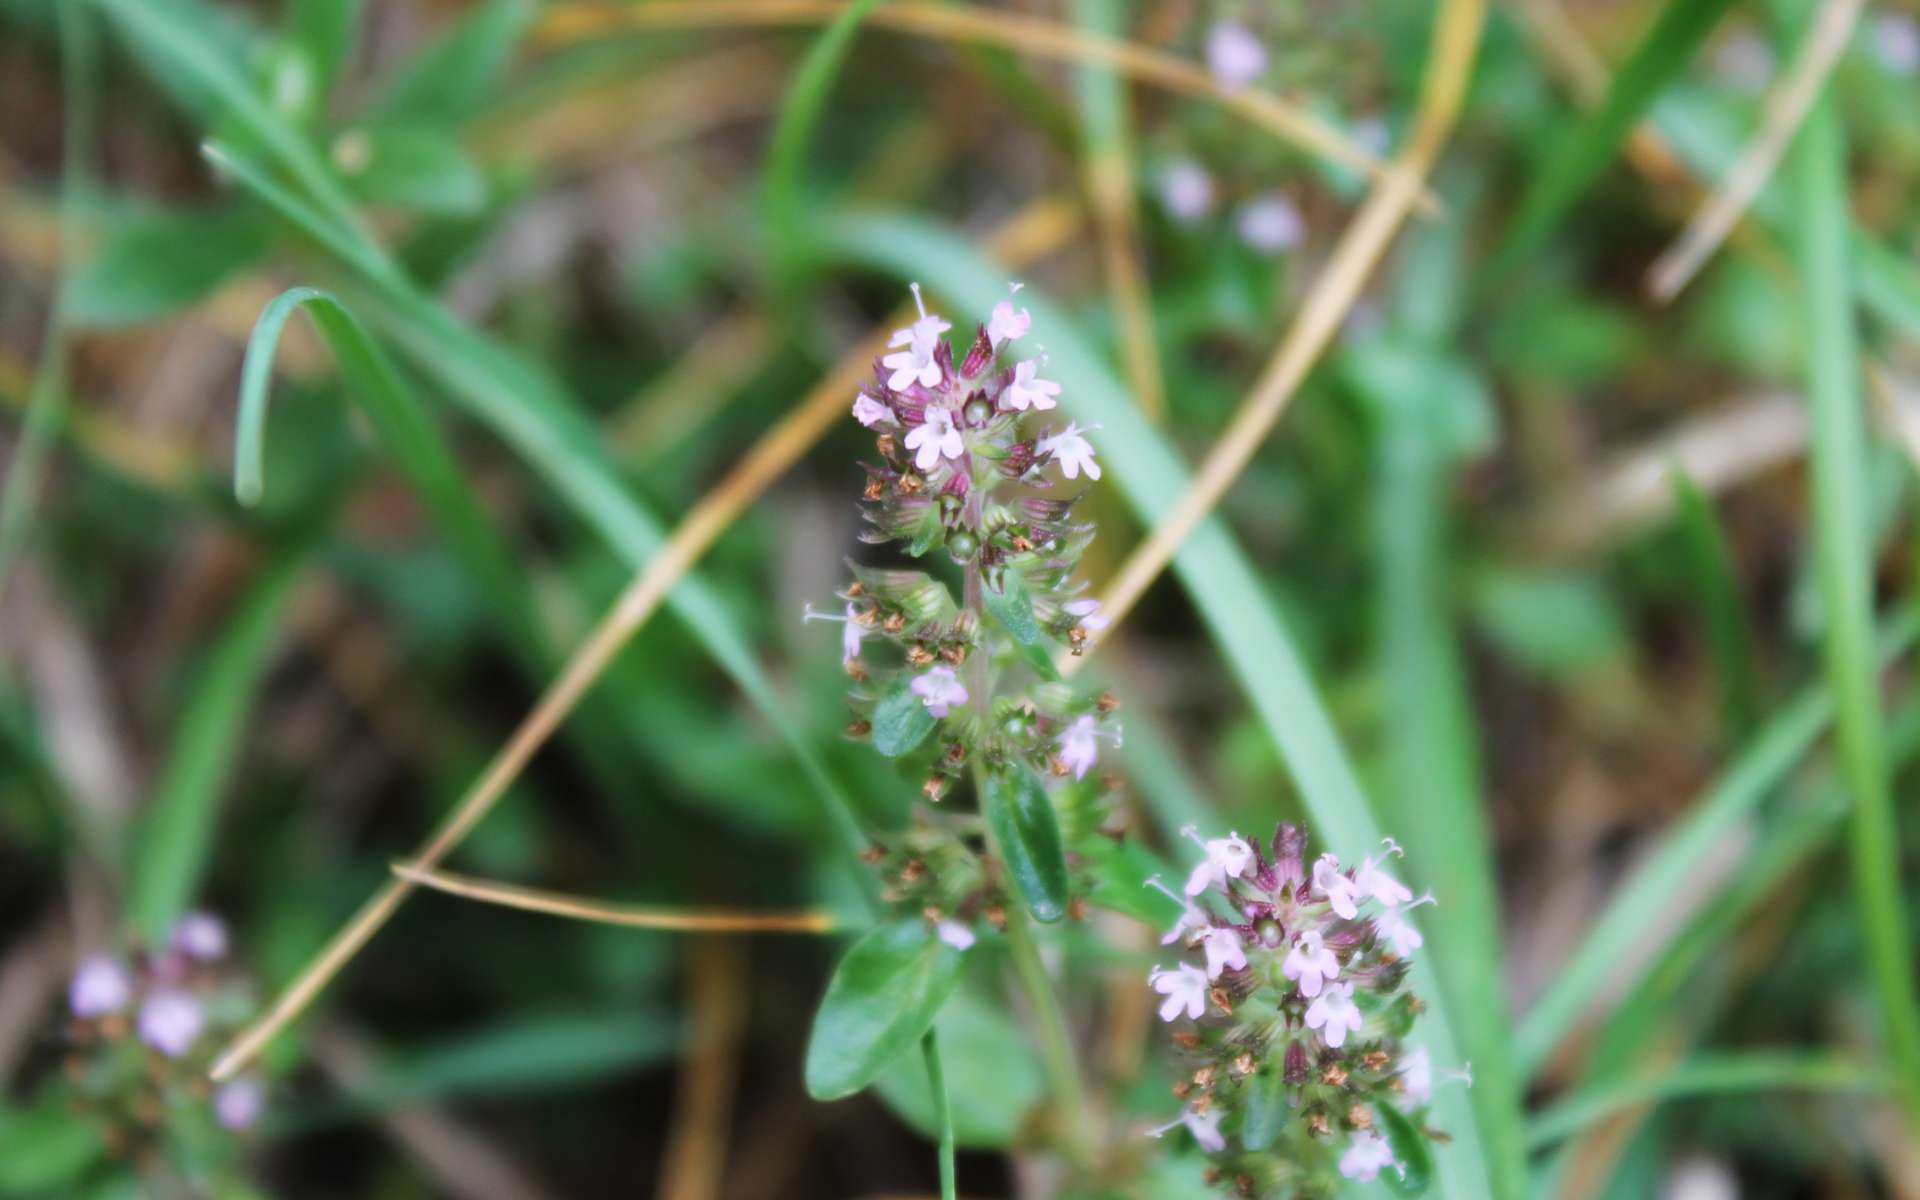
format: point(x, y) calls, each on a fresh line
point(942, 1115)
point(1056, 1043)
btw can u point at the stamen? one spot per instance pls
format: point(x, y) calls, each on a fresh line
point(917, 301)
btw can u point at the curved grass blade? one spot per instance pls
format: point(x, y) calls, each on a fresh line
point(1218, 578)
point(1844, 561)
point(176, 840)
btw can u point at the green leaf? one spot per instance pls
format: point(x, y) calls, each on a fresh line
point(45, 1150)
point(901, 720)
point(419, 168)
point(176, 841)
point(1555, 622)
point(883, 996)
point(1581, 155)
point(1715, 583)
point(323, 31)
point(993, 1078)
point(1412, 1153)
point(458, 74)
point(149, 264)
point(1267, 1108)
point(1027, 830)
point(1012, 606)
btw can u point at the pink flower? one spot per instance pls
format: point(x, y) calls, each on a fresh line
point(171, 1021)
point(202, 936)
point(915, 364)
point(1227, 858)
point(1185, 988)
point(1086, 613)
point(1365, 1156)
point(1310, 963)
point(1235, 55)
point(1027, 389)
point(1271, 224)
point(1079, 747)
point(935, 438)
point(1073, 452)
point(239, 1104)
point(871, 412)
point(1334, 1014)
point(1416, 1072)
point(1008, 324)
point(1336, 887)
point(851, 631)
point(1186, 191)
point(100, 986)
point(954, 934)
point(1205, 1128)
point(1370, 880)
point(939, 688)
point(1190, 916)
point(1223, 951)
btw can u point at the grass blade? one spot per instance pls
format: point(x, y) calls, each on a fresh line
point(942, 1114)
point(1729, 634)
point(176, 840)
point(1843, 558)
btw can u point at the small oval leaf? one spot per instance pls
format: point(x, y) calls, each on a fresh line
point(1024, 824)
point(901, 720)
point(884, 994)
point(1266, 1107)
point(1411, 1153)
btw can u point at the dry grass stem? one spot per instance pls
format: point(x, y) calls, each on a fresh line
point(1110, 188)
point(570, 23)
point(1332, 296)
point(633, 916)
point(696, 1155)
point(1786, 106)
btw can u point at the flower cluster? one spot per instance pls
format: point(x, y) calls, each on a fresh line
point(1293, 1024)
point(970, 462)
point(142, 1032)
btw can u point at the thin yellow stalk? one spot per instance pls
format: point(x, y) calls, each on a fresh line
point(633, 916)
point(1786, 106)
point(709, 374)
point(1030, 234)
point(694, 1165)
point(1456, 40)
point(568, 23)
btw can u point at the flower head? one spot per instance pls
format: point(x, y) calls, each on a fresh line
point(1185, 989)
point(1028, 389)
point(939, 688)
point(1223, 950)
point(1340, 891)
point(1072, 451)
point(1086, 614)
point(1226, 858)
point(202, 936)
point(1271, 224)
point(935, 438)
point(1186, 191)
point(1235, 55)
point(100, 987)
point(871, 412)
point(954, 934)
point(915, 363)
point(1334, 1014)
point(238, 1104)
point(1008, 324)
point(171, 1021)
point(1079, 747)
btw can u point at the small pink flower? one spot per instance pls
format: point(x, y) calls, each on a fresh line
point(1079, 747)
point(1086, 614)
point(1271, 224)
point(1205, 1128)
point(1310, 963)
point(1235, 55)
point(201, 936)
point(1008, 324)
point(1365, 1156)
point(851, 631)
point(239, 1104)
point(100, 987)
point(871, 412)
point(1335, 886)
point(171, 1021)
point(1028, 389)
point(1185, 988)
point(916, 364)
point(1223, 951)
point(939, 688)
point(954, 934)
point(1416, 1073)
point(1186, 191)
point(1190, 915)
point(1334, 1014)
point(1227, 858)
point(1370, 880)
point(1073, 452)
point(935, 438)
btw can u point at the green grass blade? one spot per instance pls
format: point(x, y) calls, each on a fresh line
point(942, 1113)
point(1218, 578)
point(1580, 155)
point(175, 842)
point(1707, 1075)
point(1843, 554)
point(455, 76)
point(1716, 583)
point(1433, 794)
point(1620, 933)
